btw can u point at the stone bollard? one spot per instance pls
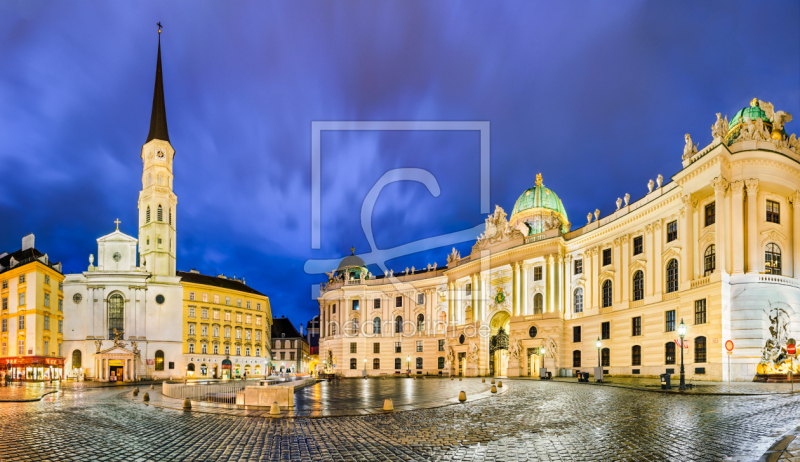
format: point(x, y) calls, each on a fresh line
point(424, 378)
point(152, 387)
point(500, 384)
point(459, 379)
point(492, 381)
point(462, 397)
point(451, 378)
point(275, 409)
point(494, 389)
point(136, 391)
point(483, 380)
point(388, 404)
point(146, 397)
point(187, 404)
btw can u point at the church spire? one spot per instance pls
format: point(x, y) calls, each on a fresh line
point(158, 118)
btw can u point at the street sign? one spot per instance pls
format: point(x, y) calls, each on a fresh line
point(791, 349)
point(729, 345)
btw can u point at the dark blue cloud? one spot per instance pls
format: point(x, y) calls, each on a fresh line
point(595, 95)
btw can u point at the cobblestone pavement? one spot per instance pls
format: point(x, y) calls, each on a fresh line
point(698, 386)
point(533, 421)
point(16, 391)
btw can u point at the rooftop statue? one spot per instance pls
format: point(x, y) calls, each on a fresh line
point(689, 149)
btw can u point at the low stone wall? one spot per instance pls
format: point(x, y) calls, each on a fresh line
point(264, 396)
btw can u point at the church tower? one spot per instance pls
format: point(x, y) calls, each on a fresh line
point(157, 201)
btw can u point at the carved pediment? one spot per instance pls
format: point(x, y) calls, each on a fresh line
point(638, 265)
point(606, 275)
point(671, 252)
point(773, 235)
point(116, 350)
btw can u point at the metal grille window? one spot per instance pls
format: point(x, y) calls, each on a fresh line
point(398, 347)
point(638, 286)
point(419, 363)
point(352, 363)
point(160, 214)
point(700, 350)
point(353, 347)
point(605, 330)
point(669, 321)
point(672, 231)
point(672, 276)
point(669, 353)
point(578, 300)
point(606, 257)
point(608, 293)
point(636, 326)
point(419, 346)
point(376, 363)
point(576, 358)
point(605, 354)
point(398, 363)
point(376, 304)
point(116, 315)
point(638, 245)
point(576, 334)
point(773, 212)
point(376, 347)
point(537, 273)
point(398, 301)
point(579, 266)
point(538, 304)
point(376, 326)
point(700, 311)
point(710, 260)
point(772, 259)
point(711, 213)
point(636, 355)
point(147, 215)
point(441, 362)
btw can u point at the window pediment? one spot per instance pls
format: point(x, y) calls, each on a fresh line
point(671, 252)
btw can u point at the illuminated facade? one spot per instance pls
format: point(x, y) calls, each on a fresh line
point(717, 247)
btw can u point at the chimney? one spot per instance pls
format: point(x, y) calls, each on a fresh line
point(28, 242)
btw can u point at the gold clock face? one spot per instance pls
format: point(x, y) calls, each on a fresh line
point(160, 154)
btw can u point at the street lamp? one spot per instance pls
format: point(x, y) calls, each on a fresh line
point(365, 367)
point(682, 333)
point(599, 374)
point(542, 351)
point(408, 365)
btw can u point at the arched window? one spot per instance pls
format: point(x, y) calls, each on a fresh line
point(160, 213)
point(638, 285)
point(376, 363)
point(159, 360)
point(147, 215)
point(190, 367)
point(710, 260)
point(700, 349)
point(116, 316)
point(605, 354)
point(608, 293)
point(170, 215)
point(578, 300)
point(376, 326)
point(538, 304)
point(76, 359)
point(672, 276)
point(636, 355)
point(669, 353)
point(468, 314)
point(352, 363)
point(772, 259)
point(420, 323)
point(354, 326)
point(398, 325)
point(149, 179)
point(576, 358)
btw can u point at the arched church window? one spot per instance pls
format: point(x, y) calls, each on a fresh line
point(147, 215)
point(710, 260)
point(376, 326)
point(159, 360)
point(638, 285)
point(76, 359)
point(538, 304)
point(578, 300)
point(170, 215)
point(672, 276)
point(398, 325)
point(607, 293)
point(116, 315)
point(160, 214)
point(772, 259)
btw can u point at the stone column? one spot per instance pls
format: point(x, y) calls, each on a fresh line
point(737, 227)
point(720, 185)
point(568, 285)
point(616, 258)
point(524, 288)
point(474, 279)
point(514, 289)
point(625, 263)
point(752, 226)
point(687, 238)
point(560, 273)
point(587, 274)
point(649, 249)
point(552, 284)
point(322, 309)
point(659, 264)
point(595, 277)
point(450, 303)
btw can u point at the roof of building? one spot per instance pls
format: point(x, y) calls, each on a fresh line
point(22, 257)
point(539, 196)
point(158, 117)
point(283, 325)
point(216, 281)
point(352, 261)
point(753, 112)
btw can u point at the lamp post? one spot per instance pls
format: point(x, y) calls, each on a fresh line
point(599, 345)
point(682, 333)
point(365, 367)
point(542, 351)
point(408, 365)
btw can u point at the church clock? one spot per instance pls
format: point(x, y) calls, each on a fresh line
point(160, 153)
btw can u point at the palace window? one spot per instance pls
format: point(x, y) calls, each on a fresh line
point(247, 352)
point(376, 347)
point(537, 273)
point(204, 349)
point(608, 293)
point(227, 332)
point(258, 320)
point(672, 230)
point(247, 334)
point(419, 363)
point(258, 306)
point(419, 346)
point(606, 257)
point(578, 300)
point(205, 297)
point(376, 304)
point(772, 259)
point(334, 308)
point(355, 305)
point(576, 334)
point(468, 289)
point(116, 315)
point(239, 352)
point(638, 245)
point(353, 347)
point(191, 311)
point(636, 326)
point(441, 345)
point(398, 325)
point(538, 304)
point(398, 363)
point(21, 347)
point(579, 266)
point(239, 317)
point(258, 336)
point(159, 361)
point(700, 350)
point(376, 325)
point(669, 353)
point(576, 358)
point(216, 299)
point(204, 330)
point(4, 327)
point(76, 359)
point(376, 363)
point(398, 301)
point(709, 260)
point(227, 349)
point(5, 283)
point(605, 330)
point(46, 279)
point(638, 286)
point(21, 323)
point(60, 304)
point(215, 349)
point(238, 334)
point(228, 301)
point(352, 363)
point(5, 303)
point(420, 323)
point(47, 347)
point(711, 213)
point(248, 319)
point(248, 304)
point(216, 331)
point(160, 214)
point(773, 212)
point(669, 321)
point(700, 311)
point(22, 299)
point(636, 355)
point(22, 279)
point(605, 355)
point(441, 362)
point(672, 276)
point(204, 313)
point(47, 300)
point(258, 352)
point(420, 299)
point(398, 347)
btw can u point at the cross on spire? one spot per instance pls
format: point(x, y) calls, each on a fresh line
point(159, 26)
point(117, 222)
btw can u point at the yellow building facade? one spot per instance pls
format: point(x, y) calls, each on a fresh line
point(226, 327)
point(31, 316)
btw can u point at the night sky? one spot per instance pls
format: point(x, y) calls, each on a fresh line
point(596, 96)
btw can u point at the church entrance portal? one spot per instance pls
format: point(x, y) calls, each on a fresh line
point(115, 368)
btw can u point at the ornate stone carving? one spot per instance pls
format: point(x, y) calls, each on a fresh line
point(497, 230)
point(627, 199)
point(689, 149)
point(588, 218)
point(720, 127)
point(450, 355)
point(648, 229)
point(794, 199)
point(515, 348)
point(752, 187)
point(656, 225)
point(720, 184)
point(737, 186)
point(596, 214)
point(774, 357)
point(659, 180)
point(617, 242)
point(650, 185)
point(98, 344)
point(472, 353)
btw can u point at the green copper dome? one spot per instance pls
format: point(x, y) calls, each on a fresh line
point(753, 112)
point(536, 204)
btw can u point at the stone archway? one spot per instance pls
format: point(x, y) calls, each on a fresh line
point(498, 343)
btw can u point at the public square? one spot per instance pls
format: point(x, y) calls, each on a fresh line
point(533, 420)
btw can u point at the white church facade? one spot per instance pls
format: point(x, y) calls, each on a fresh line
point(717, 248)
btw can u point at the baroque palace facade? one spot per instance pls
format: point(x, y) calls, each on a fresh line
point(717, 248)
